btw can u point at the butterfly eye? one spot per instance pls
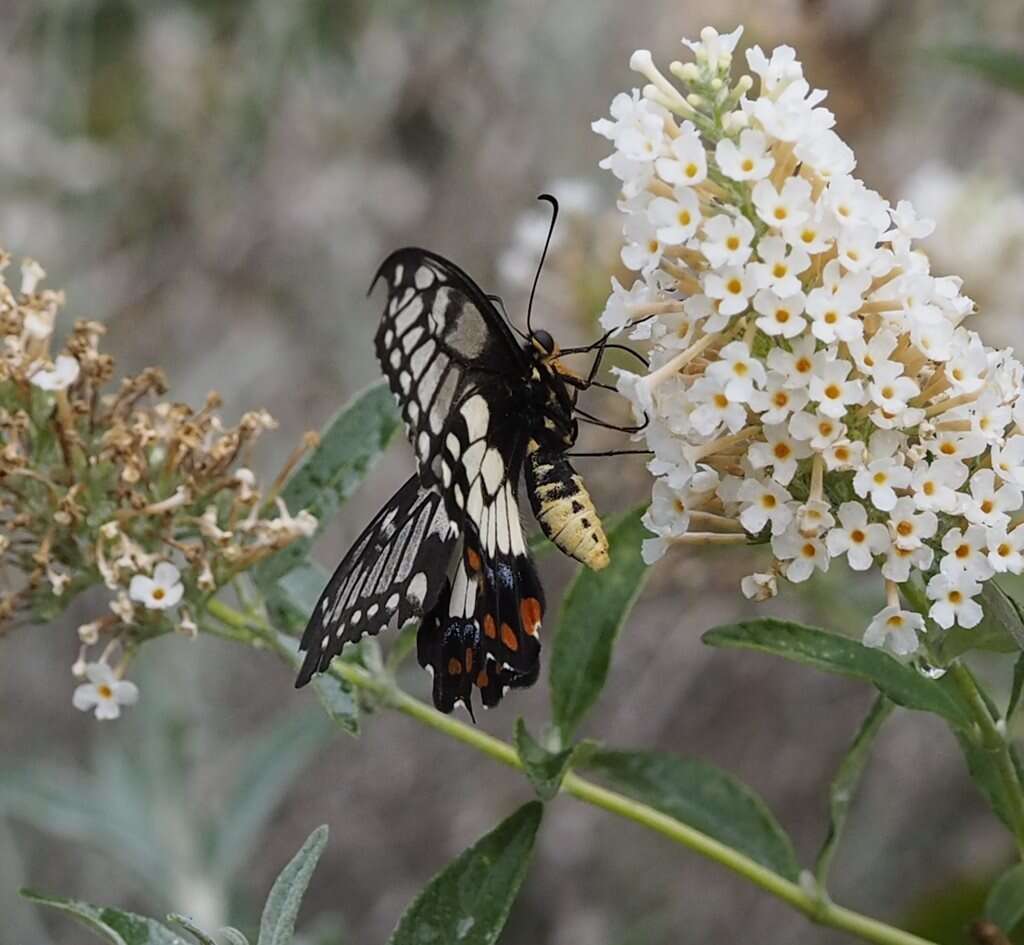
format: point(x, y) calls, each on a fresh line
point(544, 341)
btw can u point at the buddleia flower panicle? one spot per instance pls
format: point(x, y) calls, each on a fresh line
point(107, 484)
point(813, 385)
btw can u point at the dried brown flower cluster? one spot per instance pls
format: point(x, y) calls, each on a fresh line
point(106, 484)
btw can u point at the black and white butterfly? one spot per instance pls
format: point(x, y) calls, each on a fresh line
point(480, 409)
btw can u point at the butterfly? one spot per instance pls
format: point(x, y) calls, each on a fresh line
point(481, 410)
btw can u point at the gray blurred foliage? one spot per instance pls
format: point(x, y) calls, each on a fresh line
point(216, 181)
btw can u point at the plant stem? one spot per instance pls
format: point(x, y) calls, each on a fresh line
point(991, 738)
point(808, 900)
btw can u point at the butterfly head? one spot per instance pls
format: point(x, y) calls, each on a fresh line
point(544, 345)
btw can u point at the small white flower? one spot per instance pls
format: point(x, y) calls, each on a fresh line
point(990, 502)
point(786, 208)
point(780, 266)
point(803, 554)
point(159, 592)
point(739, 370)
point(759, 586)
point(880, 480)
point(833, 315)
point(935, 484)
point(732, 286)
point(953, 596)
point(688, 162)
point(966, 553)
point(894, 629)
point(777, 401)
point(844, 454)
point(1008, 460)
point(727, 240)
point(816, 429)
point(764, 501)
point(676, 219)
point(750, 160)
point(104, 693)
point(814, 517)
point(830, 388)
point(714, 407)
point(31, 275)
point(61, 376)
point(910, 527)
point(1004, 549)
point(797, 363)
point(779, 451)
point(899, 561)
point(856, 538)
point(780, 317)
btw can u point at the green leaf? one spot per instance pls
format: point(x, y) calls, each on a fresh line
point(845, 783)
point(111, 925)
point(273, 760)
point(291, 599)
point(701, 796)
point(468, 902)
point(1005, 902)
point(1016, 688)
point(983, 767)
point(594, 610)
point(184, 922)
point(835, 654)
point(1003, 67)
point(278, 923)
point(546, 769)
point(349, 444)
point(232, 936)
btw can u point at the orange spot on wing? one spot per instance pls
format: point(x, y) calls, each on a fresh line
point(472, 559)
point(489, 628)
point(454, 667)
point(469, 660)
point(530, 612)
point(482, 679)
point(508, 637)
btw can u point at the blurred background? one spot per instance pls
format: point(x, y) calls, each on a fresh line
point(216, 181)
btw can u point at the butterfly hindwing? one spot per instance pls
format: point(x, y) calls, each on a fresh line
point(398, 565)
point(484, 630)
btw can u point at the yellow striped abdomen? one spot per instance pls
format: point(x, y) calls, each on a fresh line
point(564, 508)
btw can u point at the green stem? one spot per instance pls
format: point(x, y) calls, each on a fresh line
point(989, 735)
point(809, 900)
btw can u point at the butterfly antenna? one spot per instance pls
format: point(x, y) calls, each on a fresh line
point(547, 242)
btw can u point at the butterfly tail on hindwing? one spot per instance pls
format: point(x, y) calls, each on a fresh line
point(484, 630)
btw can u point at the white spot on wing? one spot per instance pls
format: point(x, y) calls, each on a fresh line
point(477, 415)
point(420, 358)
point(410, 312)
point(424, 278)
point(417, 589)
point(453, 444)
point(391, 603)
point(493, 470)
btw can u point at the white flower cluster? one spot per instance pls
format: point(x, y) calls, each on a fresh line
point(812, 385)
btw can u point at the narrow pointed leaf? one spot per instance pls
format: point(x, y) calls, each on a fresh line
point(232, 936)
point(1003, 67)
point(184, 922)
point(292, 597)
point(277, 925)
point(1016, 688)
point(846, 780)
point(593, 612)
point(349, 445)
point(1005, 903)
point(290, 601)
point(469, 901)
point(983, 767)
point(546, 769)
point(903, 684)
point(111, 925)
point(701, 796)
point(273, 760)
